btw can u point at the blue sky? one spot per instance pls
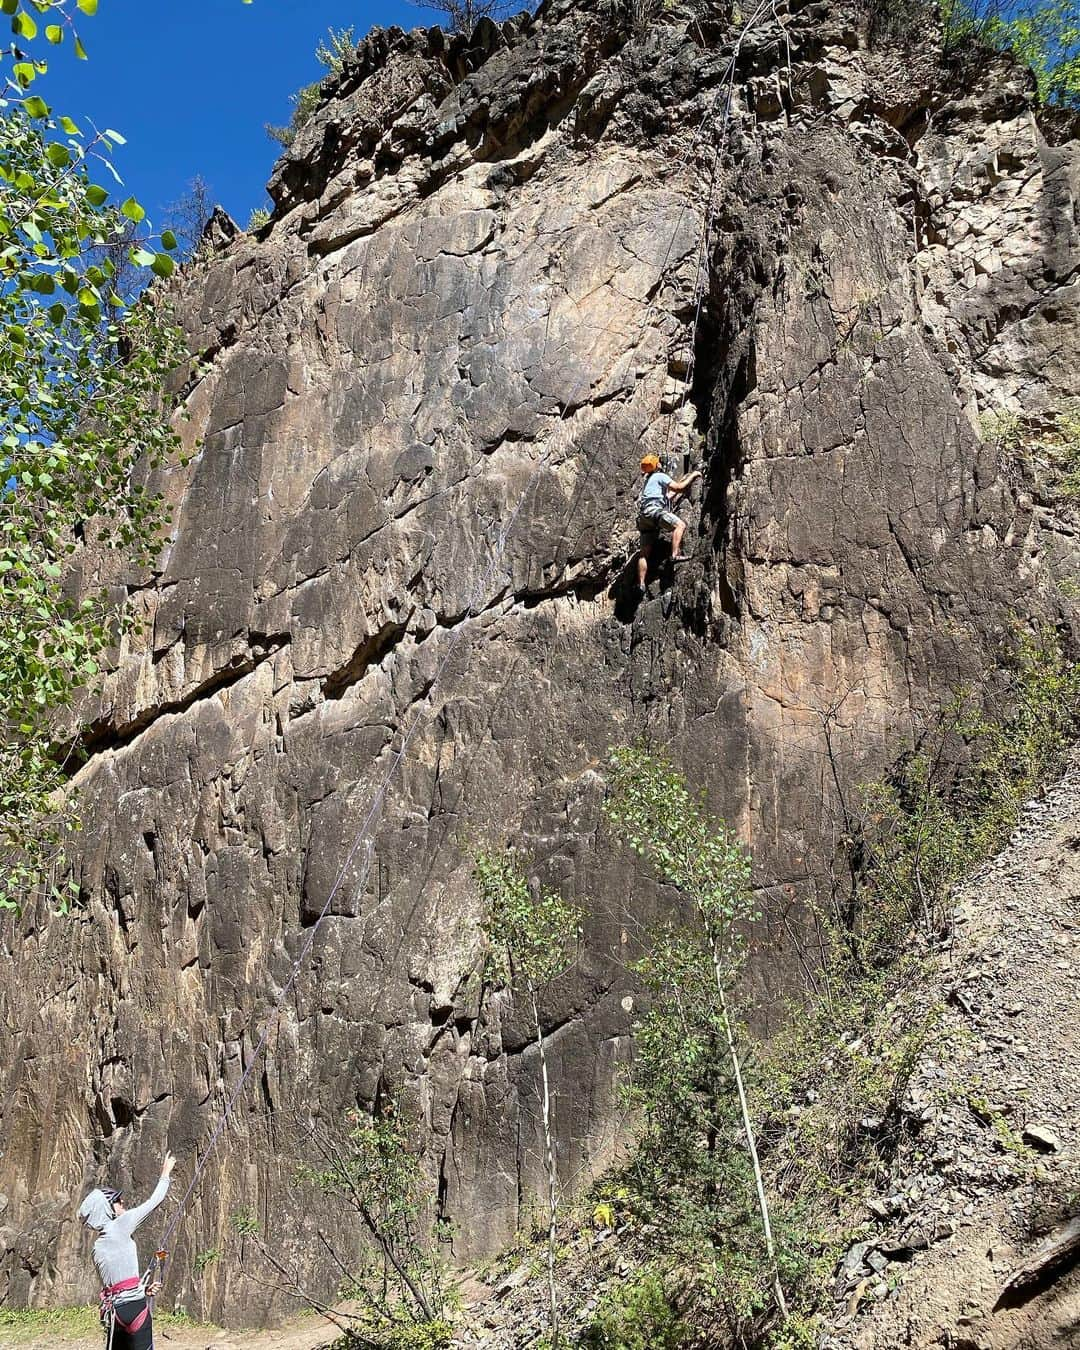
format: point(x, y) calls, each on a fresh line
point(191, 82)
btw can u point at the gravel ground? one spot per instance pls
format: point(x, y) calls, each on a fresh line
point(995, 1168)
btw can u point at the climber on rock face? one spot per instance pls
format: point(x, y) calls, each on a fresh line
point(125, 1311)
point(658, 496)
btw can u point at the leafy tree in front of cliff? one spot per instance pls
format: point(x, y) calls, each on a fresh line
point(1043, 34)
point(530, 942)
point(689, 1083)
point(374, 1172)
point(1046, 38)
point(82, 420)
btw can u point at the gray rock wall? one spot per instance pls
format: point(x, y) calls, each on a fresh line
point(475, 299)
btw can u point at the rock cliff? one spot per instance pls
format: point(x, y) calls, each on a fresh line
point(473, 307)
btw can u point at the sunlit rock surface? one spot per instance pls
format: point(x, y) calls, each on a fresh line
point(472, 310)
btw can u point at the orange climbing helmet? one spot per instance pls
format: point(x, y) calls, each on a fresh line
point(650, 463)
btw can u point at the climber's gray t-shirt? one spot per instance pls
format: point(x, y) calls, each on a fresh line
point(115, 1254)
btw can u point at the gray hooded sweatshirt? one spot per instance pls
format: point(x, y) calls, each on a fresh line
point(115, 1255)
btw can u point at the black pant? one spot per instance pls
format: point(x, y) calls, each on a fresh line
point(132, 1325)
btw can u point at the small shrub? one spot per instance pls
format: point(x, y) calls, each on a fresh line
point(1069, 588)
point(641, 1316)
point(335, 49)
point(434, 1335)
point(797, 1333)
point(1005, 429)
point(373, 1170)
point(955, 799)
point(244, 1223)
point(304, 102)
point(332, 52)
point(1062, 446)
point(1049, 442)
point(206, 1258)
point(259, 217)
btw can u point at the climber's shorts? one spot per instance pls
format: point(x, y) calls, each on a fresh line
point(651, 525)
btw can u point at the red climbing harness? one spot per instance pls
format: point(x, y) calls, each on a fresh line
point(109, 1314)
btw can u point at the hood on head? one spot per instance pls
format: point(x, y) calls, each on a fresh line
point(96, 1210)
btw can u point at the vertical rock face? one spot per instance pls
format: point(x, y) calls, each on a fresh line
point(409, 516)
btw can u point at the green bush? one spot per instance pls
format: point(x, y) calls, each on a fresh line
point(205, 1259)
point(1049, 443)
point(304, 102)
point(638, 1317)
point(434, 1335)
point(372, 1169)
point(797, 1333)
point(331, 53)
point(954, 800)
point(1061, 445)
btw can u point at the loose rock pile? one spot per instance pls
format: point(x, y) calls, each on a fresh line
point(994, 1162)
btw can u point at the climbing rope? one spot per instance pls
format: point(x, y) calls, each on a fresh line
point(364, 837)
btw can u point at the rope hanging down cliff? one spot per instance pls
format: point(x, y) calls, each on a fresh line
point(363, 841)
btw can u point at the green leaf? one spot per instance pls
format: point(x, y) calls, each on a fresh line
point(35, 106)
point(96, 195)
point(24, 73)
point(88, 6)
point(80, 50)
point(24, 25)
point(133, 210)
point(54, 33)
point(141, 257)
point(168, 240)
point(69, 126)
point(58, 155)
point(9, 6)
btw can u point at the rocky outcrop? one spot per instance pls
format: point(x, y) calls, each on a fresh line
point(473, 307)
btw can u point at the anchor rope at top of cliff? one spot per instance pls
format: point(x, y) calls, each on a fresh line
point(363, 839)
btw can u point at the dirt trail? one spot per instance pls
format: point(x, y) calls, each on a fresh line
point(308, 1333)
point(998, 1162)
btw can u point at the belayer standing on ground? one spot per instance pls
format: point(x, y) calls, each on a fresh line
point(125, 1308)
point(658, 495)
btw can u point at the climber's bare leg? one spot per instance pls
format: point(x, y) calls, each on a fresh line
point(676, 540)
point(644, 551)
